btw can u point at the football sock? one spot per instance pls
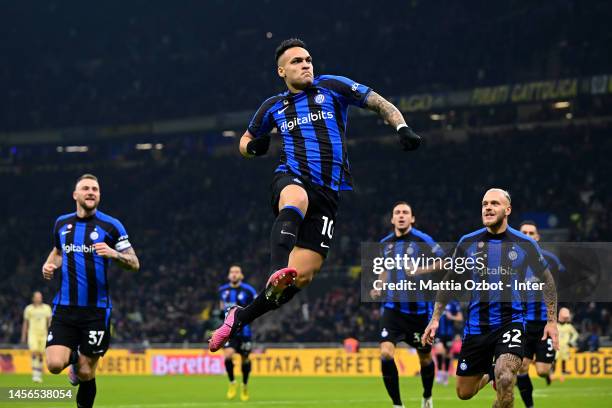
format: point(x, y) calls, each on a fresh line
point(427, 378)
point(523, 382)
point(229, 367)
point(86, 394)
point(391, 380)
point(246, 370)
point(284, 236)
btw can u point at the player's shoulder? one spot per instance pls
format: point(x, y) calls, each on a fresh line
point(223, 287)
point(65, 218)
point(104, 217)
point(517, 235)
point(28, 308)
point(421, 235)
point(550, 256)
point(322, 80)
point(248, 287)
point(387, 237)
point(47, 307)
point(473, 236)
point(272, 101)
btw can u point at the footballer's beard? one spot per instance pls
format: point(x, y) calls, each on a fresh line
point(87, 206)
point(495, 224)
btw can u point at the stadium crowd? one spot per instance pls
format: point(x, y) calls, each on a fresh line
point(190, 215)
point(147, 67)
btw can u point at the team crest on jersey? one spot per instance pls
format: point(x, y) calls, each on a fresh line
point(94, 235)
point(480, 244)
point(320, 98)
point(240, 296)
point(410, 250)
point(512, 255)
point(384, 333)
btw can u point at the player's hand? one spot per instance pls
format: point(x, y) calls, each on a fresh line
point(375, 294)
point(429, 335)
point(103, 250)
point(258, 146)
point(48, 269)
point(550, 330)
point(23, 339)
point(408, 139)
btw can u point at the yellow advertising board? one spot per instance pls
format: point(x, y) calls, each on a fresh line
point(280, 362)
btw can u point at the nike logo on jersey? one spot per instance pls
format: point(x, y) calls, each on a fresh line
point(65, 232)
point(282, 110)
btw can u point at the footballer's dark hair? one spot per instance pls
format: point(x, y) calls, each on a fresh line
point(401, 203)
point(286, 44)
point(528, 222)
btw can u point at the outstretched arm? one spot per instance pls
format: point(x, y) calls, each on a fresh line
point(387, 111)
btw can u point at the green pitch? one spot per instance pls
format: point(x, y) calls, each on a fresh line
point(301, 392)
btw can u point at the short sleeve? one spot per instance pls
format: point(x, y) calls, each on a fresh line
point(262, 122)
point(26, 313)
point(57, 243)
point(352, 93)
point(535, 258)
point(121, 239)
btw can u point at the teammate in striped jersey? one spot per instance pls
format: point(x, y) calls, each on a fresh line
point(85, 243)
point(536, 320)
point(405, 315)
point(311, 118)
point(237, 292)
point(494, 330)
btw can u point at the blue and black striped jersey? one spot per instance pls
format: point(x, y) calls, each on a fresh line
point(312, 124)
point(241, 295)
point(508, 257)
point(415, 244)
point(447, 327)
point(83, 278)
point(536, 309)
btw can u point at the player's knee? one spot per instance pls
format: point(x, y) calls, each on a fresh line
point(387, 352)
point(425, 359)
point(464, 393)
point(85, 372)
point(543, 371)
point(55, 365)
point(504, 380)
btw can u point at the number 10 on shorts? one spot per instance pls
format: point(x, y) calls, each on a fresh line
point(95, 337)
point(328, 227)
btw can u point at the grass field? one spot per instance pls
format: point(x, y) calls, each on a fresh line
point(302, 392)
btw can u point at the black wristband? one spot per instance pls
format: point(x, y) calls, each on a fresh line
point(258, 146)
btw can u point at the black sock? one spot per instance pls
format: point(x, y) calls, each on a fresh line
point(246, 370)
point(229, 367)
point(391, 380)
point(447, 363)
point(284, 236)
point(258, 307)
point(86, 394)
point(523, 382)
point(439, 360)
point(563, 369)
point(427, 378)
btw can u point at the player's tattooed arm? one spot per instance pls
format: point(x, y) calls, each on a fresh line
point(550, 296)
point(385, 109)
point(128, 259)
point(550, 299)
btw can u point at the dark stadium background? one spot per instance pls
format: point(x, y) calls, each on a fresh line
point(153, 95)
